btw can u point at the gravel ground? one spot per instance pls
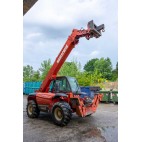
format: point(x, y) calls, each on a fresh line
point(102, 126)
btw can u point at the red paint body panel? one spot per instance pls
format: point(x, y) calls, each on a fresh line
point(81, 110)
point(44, 98)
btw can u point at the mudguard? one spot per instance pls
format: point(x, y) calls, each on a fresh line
point(57, 95)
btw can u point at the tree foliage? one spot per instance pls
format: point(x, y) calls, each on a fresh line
point(27, 73)
point(70, 69)
point(115, 73)
point(96, 71)
point(36, 76)
point(90, 79)
point(89, 66)
point(104, 66)
point(45, 67)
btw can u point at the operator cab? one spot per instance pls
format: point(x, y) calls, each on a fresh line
point(68, 84)
point(64, 84)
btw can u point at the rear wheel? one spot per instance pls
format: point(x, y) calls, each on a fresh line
point(32, 109)
point(61, 113)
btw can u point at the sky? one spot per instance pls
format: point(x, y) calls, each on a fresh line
point(47, 25)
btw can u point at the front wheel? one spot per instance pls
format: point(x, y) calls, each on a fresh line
point(61, 113)
point(32, 109)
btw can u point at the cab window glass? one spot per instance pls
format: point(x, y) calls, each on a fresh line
point(60, 85)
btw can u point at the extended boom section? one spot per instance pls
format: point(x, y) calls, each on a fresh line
point(91, 31)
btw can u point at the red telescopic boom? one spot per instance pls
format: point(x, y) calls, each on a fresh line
point(91, 31)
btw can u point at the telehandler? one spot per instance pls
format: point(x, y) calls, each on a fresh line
point(61, 95)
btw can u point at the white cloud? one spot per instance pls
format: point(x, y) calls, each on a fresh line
point(33, 35)
point(49, 22)
point(64, 12)
point(75, 53)
point(94, 54)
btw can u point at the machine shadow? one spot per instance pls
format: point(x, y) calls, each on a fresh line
point(75, 121)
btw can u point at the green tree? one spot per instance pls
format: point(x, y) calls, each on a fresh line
point(115, 73)
point(90, 79)
point(89, 66)
point(84, 79)
point(104, 66)
point(101, 66)
point(36, 76)
point(45, 67)
point(27, 73)
point(70, 69)
point(96, 77)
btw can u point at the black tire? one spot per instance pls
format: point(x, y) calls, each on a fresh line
point(32, 109)
point(65, 113)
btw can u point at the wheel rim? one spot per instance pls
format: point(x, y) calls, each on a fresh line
point(58, 114)
point(30, 109)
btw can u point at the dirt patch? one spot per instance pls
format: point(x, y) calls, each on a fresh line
point(96, 133)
